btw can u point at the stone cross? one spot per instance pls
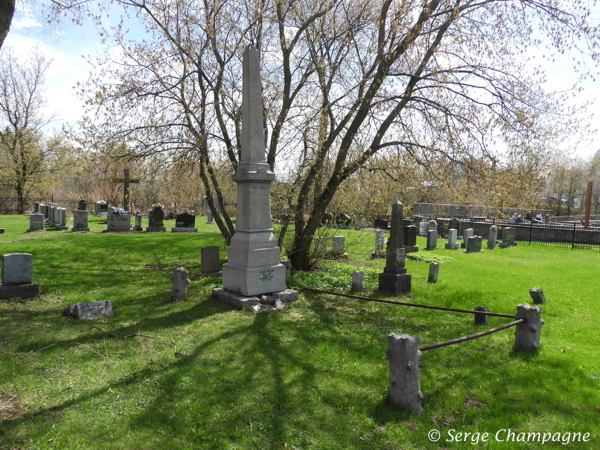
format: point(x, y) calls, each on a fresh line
point(125, 180)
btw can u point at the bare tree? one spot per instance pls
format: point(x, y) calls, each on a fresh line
point(7, 10)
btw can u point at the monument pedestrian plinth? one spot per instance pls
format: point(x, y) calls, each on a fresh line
point(394, 278)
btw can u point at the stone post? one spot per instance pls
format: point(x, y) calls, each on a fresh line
point(537, 295)
point(434, 271)
point(357, 281)
point(528, 332)
point(492, 237)
point(180, 282)
point(404, 378)
point(138, 222)
point(481, 319)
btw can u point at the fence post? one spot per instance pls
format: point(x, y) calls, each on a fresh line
point(573, 240)
point(530, 231)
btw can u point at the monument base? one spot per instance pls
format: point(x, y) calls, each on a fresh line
point(62, 228)
point(155, 229)
point(212, 274)
point(254, 281)
point(28, 231)
point(260, 303)
point(449, 246)
point(411, 249)
point(209, 223)
point(20, 290)
point(80, 229)
point(506, 244)
point(395, 283)
point(110, 230)
point(138, 229)
point(184, 230)
point(476, 251)
point(431, 248)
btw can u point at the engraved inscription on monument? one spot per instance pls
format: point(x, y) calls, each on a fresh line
point(266, 274)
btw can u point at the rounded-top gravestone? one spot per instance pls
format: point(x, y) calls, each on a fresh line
point(81, 205)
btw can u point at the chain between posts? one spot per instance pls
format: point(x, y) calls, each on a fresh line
point(440, 308)
point(471, 336)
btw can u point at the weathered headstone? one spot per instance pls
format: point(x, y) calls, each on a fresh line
point(17, 276)
point(394, 278)
point(101, 208)
point(138, 222)
point(537, 295)
point(410, 239)
point(185, 222)
point(36, 222)
point(118, 220)
point(62, 219)
point(434, 272)
point(155, 219)
point(492, 237)
point(379, 241)
point(81, 205)
point(455, 223)
point(253, 266)
point(80, 220)
point(358, 278)
point(180, 281)
point(36, 207)
point(509, 236)
point(404, 377)
point(467, 233)
point(431, 240)
point(337, 245)
point(527, 335)
point(89, 310)
point(209, 217)
point(452, 244)
point(210, 264)
point(423, 229)
point(481, 319)
point(474, 244)
point(43, 210)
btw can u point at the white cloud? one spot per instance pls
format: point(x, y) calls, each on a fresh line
point(24, 16)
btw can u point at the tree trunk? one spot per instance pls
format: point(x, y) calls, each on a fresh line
point(7, 10)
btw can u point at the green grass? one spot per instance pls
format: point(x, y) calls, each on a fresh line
point(198, 374)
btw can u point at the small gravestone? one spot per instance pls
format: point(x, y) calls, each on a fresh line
point(337, 246)
point(454, 223)
point(431, 240)
point(404, 377)
point(358, 278)
point(62, 219)
point(89, 310)
point(185, 222)
point(101, 208)
point(527, 335)
point(1, 230)
point(138, 222)
point(209, 217)
point(423, 229)
point(210, 264)
point(82, 205)
point(452, 244)
point(360, 222)
point(36, 222)
point(466, 235)
point(180, 282)
point(43, 210)
point(509, 236)
point(492, 237)
point(155, 219)
point(434, 272)
point(118, 220)
point(537, 295)
point(288, 268)
point(80, 219)
point(36, 207)
point(17, 276)
point(481, 319)
point(474, 244)
point(410, 239)
point(379, 244)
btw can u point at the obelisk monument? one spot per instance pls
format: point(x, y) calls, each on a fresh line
point(394, 277)
point(253, 266)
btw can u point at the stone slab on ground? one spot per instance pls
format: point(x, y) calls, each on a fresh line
point(89, 310)
point(184, 230)
point(20, 290)
point(241, 301)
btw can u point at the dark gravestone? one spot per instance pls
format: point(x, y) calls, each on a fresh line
point(406, 222)
point(326, 218)
point(382, 224)
point(410, 239)
point(155, 219)
point(185, 221)
point(454, 223)
point(343, 220)
point(81, 205)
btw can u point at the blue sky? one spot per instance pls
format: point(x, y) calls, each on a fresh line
point(70, 46)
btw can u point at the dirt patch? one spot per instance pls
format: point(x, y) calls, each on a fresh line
point(470, 402)
point(9, 406)
point(155, 267)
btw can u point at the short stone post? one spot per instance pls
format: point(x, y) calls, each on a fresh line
point(36, 207)
point(492, 237)
point(537, 294)
point(210, 262)
point(528, 332)
point(358, 278)
point(404, 377)
point(138, 222)
point(209, 216)
point(481, 319)
point(180, 282)
point(434, 271)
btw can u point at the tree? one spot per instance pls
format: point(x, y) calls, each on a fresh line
point(7, 10)
point(24, 151)
point(343, 81)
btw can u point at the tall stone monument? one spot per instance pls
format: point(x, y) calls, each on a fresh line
point(394, 277)
point(253, 266)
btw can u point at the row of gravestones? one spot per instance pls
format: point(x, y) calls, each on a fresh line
point(409, 234)
point(120, 220)
point(473, 243)
point(57, 217)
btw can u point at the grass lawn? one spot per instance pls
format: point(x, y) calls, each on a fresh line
point(199, 374)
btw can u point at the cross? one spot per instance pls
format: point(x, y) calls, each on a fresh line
point(125, 180)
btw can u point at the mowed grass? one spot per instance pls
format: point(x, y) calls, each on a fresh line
point(199, 374)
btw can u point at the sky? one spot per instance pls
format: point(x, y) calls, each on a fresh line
point(70, 46)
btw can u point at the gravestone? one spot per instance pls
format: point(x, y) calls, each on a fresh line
point(492, 237)
point(423, 228)
point(215, 200)
point(36, 207)
point(337, 245)
point(527, 334)
point(89, 310)
point(410, 239)
point(394, 278)
point(126, 181)
point(209, 217)
point(80, 220)
point(155, 219)
point(210, 264)
point(81, 205)
point(452, 244)
point(253, 265)
point(138, 222)
point(455, 223)
point(1, 230)
point(379, 240)
point(185, 222)
point(467, 233)
point(404, 377)
point(43, 210)
point(360, 222)
point(17, 276)
point(481, 319)
point(118, 220)
point(101, 208)
point(474, 244)
point(36, 222)
point(288, 268)
point(320, 243)
point(432, 225)
point(431, 240)
point(509, 236)
point(358, 278)
point(62, 219)
point(434, 272)
point(179, 281)
point(537, 295)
